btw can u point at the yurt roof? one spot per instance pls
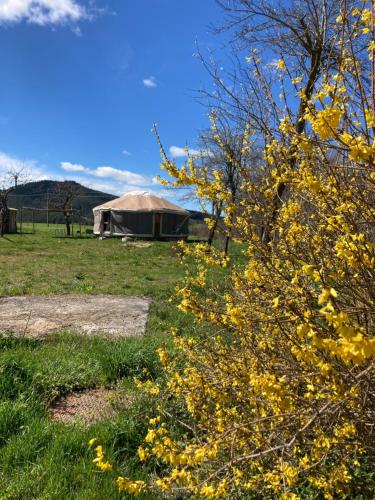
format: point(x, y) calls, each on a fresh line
point(141, 202)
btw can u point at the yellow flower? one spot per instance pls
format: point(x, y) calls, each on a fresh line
point(207, 491)
point(370, 118)
point(143, 454)
point(99, 450)
point(133, 487)
point(297, 80)
point(151, 435)
point(326, 294)
point(359, 149)
point(163, 356)
point(325, 122)
point(280, 64)
point(104, 466)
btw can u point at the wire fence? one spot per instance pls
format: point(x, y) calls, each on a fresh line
point(41, 207)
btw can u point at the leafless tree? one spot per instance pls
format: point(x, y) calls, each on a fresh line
point(300, 31)
point(61, 200)
point(224, 151)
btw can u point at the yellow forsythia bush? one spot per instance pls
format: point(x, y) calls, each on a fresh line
point(280, 391)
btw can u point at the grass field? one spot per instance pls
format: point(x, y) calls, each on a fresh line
point(43, 459)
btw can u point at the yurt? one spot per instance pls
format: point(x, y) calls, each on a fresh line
point(141, 215)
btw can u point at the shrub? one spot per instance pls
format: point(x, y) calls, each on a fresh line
point(278, 397)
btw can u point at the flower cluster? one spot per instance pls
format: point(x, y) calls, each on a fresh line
point(99, 461)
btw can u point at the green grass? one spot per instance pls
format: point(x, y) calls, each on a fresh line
point(42, 264)
point(49, 460)
point(43, 459)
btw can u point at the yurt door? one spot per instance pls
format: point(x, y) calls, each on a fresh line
point(106, 221)
point(157, 225)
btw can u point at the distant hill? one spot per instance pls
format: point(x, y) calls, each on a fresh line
point(36, 195)
point(198, 216)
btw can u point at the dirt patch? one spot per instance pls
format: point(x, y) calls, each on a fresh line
point(88, 407)
point(110, 315)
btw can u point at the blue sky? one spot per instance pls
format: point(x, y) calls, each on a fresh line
point(83, 81)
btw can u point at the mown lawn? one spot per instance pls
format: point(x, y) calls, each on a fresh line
point(50, 460)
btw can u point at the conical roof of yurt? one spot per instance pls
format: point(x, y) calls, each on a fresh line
point(141, 201)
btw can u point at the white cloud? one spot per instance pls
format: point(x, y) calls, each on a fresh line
point(130, 178)
point(178, 152)
point(126, 152)
point(121, 175)
point(116, 188)
point(150, 82)
point(73, 167)
point(42, 12)
point(11, 163)
point(31, 169)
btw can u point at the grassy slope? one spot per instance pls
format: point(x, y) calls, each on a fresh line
point(44, 459)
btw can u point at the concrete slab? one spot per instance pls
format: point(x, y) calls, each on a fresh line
point(110, 315)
